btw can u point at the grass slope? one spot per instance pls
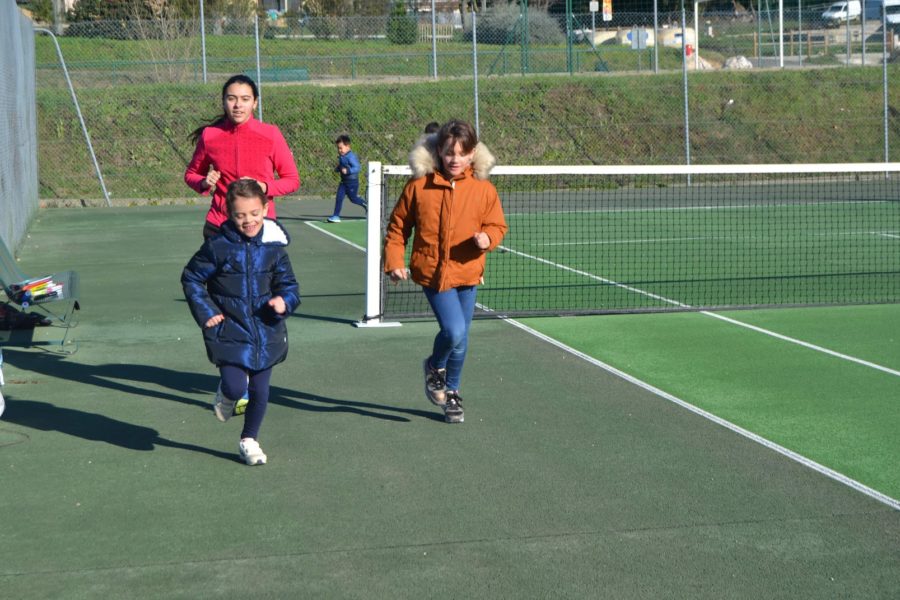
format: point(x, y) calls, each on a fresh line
point(140, 132)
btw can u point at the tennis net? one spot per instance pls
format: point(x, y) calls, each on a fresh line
point(586, 240)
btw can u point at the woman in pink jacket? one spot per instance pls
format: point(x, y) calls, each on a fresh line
point(237, 146)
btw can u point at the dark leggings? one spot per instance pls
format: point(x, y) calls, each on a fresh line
point(235, 383)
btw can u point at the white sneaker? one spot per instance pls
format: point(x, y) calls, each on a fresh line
point(2, 404)
point(251, 452)
point(222, 406)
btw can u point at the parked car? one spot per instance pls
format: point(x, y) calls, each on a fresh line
point(841, 12)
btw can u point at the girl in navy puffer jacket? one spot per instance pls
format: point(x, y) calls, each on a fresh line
point(240, 288)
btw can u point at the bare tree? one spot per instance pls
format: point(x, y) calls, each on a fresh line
point(169, 41)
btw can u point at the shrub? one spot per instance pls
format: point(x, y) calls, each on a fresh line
point(322, 27)
point(100, 10)
point(41, 10)
point(402, 27)
point(503, 25)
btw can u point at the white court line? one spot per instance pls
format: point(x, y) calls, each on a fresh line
point(799, 458)
point(806, 462)
point(768, 332)
point(808, 345)
point(616, 242)
point(705, 207)
point(318, 227)
point(707, 238)
point(594, 277)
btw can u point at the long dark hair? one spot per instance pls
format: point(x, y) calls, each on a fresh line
point(195, 134)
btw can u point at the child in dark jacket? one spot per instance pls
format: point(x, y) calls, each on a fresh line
point(348, 166)
point(240, 288)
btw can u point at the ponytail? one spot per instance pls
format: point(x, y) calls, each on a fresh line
point(194, 136)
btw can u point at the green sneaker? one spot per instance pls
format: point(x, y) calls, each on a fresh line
point(241, 406)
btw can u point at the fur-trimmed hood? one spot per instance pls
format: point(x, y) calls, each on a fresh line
point(423, 158)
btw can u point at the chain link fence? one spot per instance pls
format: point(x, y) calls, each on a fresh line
point(551, 89)
point(18, 126)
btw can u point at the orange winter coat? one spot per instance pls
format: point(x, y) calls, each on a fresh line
point(444, 216)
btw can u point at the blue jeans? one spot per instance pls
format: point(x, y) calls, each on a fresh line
point(349, 188)
point(235, 383)
point(453, 309)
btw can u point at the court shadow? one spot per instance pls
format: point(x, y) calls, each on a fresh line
point(323, 404)
point(313, 317)
point(144, 381)
point(123, 378)
point(44, 416)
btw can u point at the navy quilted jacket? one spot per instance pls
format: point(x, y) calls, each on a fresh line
point(236, 276)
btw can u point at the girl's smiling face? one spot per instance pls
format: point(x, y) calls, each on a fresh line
point(247, 214)
point(239, 102)
point(455, 159)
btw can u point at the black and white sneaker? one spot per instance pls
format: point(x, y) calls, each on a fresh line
point(453, 410)
point(435, 384)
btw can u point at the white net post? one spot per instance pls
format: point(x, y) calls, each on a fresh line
point(374, 278)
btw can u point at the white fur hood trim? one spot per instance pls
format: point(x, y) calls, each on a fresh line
point(423, 158)
point(274, 233)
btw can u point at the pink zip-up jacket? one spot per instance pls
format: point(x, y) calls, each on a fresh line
point(251, 149)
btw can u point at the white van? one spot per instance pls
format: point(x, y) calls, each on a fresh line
point(891, 10)
point(841, 12)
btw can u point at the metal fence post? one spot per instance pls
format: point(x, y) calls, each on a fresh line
point(203, 40)
point(655, 36)
point(475, 69)
point(847, 31)
point(525, 40)
point(569, 34)
point(884, 79)
point(862, 31)
point(684, 77)
point(259, 83)
point(433, 42)
point(87, 136)
point(781, 33)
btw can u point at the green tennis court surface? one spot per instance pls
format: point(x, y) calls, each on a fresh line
point(565, 480)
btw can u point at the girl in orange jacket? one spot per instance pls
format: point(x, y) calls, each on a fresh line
point(457, 218)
